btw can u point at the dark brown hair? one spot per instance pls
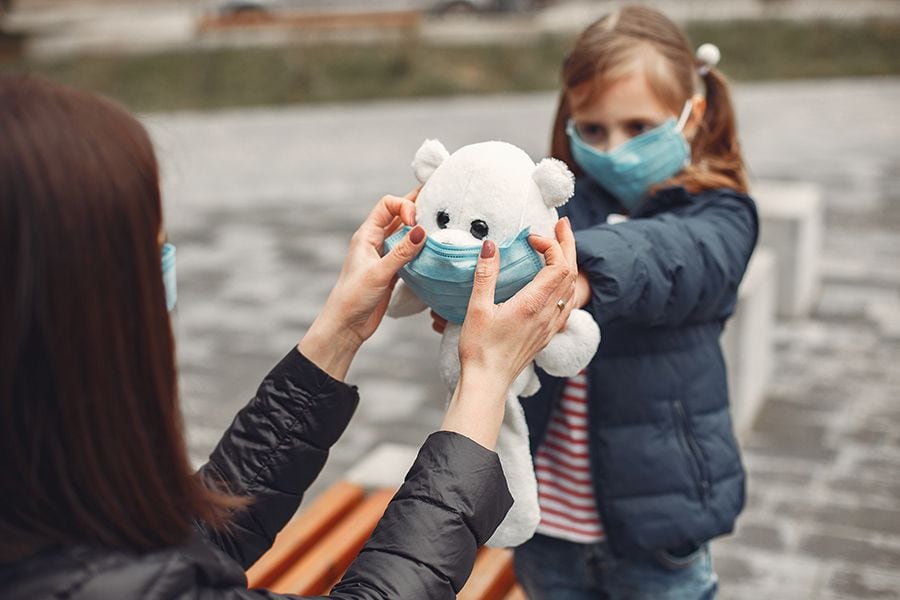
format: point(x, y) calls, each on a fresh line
point(90, 428)
point(612, 47)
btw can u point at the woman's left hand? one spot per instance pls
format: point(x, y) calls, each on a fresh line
point(360, 297)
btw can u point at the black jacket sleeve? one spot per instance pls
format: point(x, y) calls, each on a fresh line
point(454, 497)
point(273, 451)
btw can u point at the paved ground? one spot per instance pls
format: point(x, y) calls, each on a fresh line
point(262, 202)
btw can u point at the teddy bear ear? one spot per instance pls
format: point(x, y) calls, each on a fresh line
point(429, 157)
point(555, 180)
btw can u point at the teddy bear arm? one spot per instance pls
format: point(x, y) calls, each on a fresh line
point(404, 302)
point(571, 350)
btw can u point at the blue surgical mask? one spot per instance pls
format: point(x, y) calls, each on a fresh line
point(631, 169)
point(168, 273)
point(441, 275)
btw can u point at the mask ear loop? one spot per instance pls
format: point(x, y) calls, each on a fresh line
point(685, 113)
point(521, 219)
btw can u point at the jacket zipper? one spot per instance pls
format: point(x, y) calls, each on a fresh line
point(696, 455)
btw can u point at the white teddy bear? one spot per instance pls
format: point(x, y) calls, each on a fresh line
point(493, 190)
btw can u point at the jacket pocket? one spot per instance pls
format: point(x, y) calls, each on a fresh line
point(691, 449)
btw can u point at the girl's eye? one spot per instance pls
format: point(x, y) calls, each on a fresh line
point(479, 229)
point(591, 133)
point(442, 219)
point(636, 128)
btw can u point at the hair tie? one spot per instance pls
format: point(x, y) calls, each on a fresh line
point(709, 56)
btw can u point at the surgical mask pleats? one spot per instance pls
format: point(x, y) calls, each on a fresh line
point(441, 275)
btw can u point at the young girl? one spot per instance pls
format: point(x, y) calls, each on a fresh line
point(637, 464)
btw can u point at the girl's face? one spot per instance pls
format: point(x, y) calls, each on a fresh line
point(625, 109)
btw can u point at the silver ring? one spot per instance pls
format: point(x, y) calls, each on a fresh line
point(561, 304)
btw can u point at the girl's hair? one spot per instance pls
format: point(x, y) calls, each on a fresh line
point(612, 47)
point(90, 428)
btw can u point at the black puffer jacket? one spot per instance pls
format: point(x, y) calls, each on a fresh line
point(454, 497)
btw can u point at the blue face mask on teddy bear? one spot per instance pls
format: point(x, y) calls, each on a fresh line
point(441, 274)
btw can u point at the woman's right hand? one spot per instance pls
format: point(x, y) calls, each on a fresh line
point(505, 337)
point(498, 341)
point(360, 296)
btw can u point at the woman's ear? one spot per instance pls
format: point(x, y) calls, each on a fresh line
point(555, 181)
point(698, 109)
point(429, 157)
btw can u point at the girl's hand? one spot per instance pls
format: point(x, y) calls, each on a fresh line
point(498, 340)
point(582, 290)
point(360, 297)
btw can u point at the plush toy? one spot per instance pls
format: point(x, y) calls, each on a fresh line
point(491, 190)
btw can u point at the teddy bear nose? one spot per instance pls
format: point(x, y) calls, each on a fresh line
point(454, 237)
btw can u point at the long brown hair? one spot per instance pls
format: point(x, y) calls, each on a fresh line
point(90, 429)
point(608, 49)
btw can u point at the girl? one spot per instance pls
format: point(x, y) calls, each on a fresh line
point(637, 464)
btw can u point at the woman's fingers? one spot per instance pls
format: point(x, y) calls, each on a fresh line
point(389, 208)
point(550, 248)
point(403, 252)
point(485, 281)
point(544, 290)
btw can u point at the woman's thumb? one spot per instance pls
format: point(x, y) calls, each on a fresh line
point(405, 250)
point(485, 281)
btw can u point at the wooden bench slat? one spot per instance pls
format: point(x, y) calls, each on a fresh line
point(304, 531)
point(324, 563)
point(517, 593)
point(492, 577)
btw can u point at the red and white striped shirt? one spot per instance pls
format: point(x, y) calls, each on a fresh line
point(563, 470)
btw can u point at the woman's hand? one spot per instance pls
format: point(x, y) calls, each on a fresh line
point(360, 297)
point(499, 340)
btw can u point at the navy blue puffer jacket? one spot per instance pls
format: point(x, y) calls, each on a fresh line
point(665, 464)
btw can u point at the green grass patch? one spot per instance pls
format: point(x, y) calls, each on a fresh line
point(204, 79)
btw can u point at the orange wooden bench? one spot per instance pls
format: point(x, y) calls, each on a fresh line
point(314, 549)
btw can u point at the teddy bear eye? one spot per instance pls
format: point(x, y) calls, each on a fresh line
point(479, 229)
point(442, 219)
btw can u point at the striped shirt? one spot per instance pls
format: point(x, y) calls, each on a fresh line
point(563, 470)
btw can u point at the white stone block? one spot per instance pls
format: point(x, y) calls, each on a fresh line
point(384, 467)
point(792, 224)
point(747, 340)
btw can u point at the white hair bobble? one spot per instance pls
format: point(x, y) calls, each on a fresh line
point(709, 56)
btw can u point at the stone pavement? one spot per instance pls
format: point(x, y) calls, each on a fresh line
point(261, 204)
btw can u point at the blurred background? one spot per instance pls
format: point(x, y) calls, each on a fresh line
point(279, 123)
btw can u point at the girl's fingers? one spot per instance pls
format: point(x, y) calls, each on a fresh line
point(438, 323)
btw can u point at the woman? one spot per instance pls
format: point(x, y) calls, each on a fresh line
point(98, 498)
